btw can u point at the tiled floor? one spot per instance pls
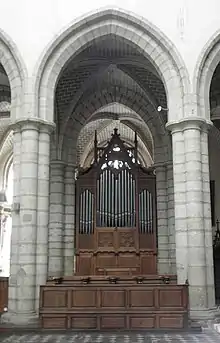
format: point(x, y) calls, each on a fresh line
point(207, 336)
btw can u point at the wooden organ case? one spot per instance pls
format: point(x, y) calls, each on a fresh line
point(116, 216)
point(115, 283)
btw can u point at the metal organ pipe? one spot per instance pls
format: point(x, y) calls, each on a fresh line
point(116, 199)
point(86, 217)
point(145, 212)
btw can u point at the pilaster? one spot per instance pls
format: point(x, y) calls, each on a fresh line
point(162, 227)
point(42, 207)
point(171, 218)
point(12, 296)
point(56, 219)
point(179, 179)
point(69, 230)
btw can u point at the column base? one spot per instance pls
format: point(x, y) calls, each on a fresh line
point(20, 319)
point(200, 315)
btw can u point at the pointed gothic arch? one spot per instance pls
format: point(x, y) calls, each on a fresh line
point(207, 62)
point(148, 39)
point(16, 71)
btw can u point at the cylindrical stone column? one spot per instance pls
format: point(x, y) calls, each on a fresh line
point(56, 219)
point(207, 219)
point(12, 296)
point(179, 180)
point(42, 207)
point(162, 236)
point(26, 274)
point(69, 229)
point(195, 223)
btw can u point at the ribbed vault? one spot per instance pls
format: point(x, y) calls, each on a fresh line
point(109, 80)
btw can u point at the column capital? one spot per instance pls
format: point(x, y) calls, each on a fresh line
point(189, 123)
point(58, 163)
point(37, 124)
point(162, 165)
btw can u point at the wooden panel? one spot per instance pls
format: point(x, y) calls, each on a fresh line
point(146, 241)
point(127, 304)
point(114, 298)
point(169, 321)
point(126, 239)
point(142, 322)
point(84, 264)
point(128, 260)
point(148, 264)
point(170, 298)
point(84, 298)
point(83, 322)
point(141, 298)
point(86, 241)
point(3, 293)
point(105, 239)
point(113, 322)
point(54, 322)
point(120, 271)
point(104, 260)
point(55, 298)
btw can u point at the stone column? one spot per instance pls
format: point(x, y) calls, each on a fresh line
point(26, 277)
point(22, 281)
point(56, 220)
point(42, 207)
point(171, 218)
point(207, 219)
point(195, 222)
point(192, 199)
point(162, 227)
point(179, 180)
point(12, 296)
point(69, 231)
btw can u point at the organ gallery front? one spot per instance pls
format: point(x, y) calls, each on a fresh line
point(115, 283)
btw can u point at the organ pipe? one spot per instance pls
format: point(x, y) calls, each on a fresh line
point(86, 217)
point(145, 212)
point(116, 199)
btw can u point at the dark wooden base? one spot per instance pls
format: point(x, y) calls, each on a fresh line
point(3, 293)
point(114, 303)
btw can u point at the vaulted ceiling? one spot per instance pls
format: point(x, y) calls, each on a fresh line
point(110, 80)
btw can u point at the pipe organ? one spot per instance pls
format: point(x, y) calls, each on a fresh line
point(116, 213)
point(115, 285)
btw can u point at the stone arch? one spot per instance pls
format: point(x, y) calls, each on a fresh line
point(125, 97)
point(152, 43)
point(6, 157)
point(148, 114)
point(207, 62)
point(16, 72)
point(6, 170)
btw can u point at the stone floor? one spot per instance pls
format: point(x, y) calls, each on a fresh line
point(207, 336)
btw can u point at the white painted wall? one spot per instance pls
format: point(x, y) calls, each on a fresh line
point(32, 25)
